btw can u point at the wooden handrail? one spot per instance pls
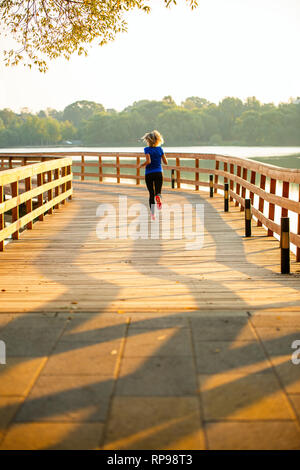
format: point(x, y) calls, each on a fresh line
point(243, 175)
point(46, 183)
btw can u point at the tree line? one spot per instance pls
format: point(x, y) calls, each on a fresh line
point(196, 121)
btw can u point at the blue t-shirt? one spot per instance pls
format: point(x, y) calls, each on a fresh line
point(155, 155)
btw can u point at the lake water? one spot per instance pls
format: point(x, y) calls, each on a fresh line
point(234, 151)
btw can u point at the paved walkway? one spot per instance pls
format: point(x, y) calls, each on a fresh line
point(94, 362)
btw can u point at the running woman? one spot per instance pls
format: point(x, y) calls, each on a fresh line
point(154, 172)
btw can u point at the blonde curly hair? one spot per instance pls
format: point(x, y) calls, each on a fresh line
point(153, 139)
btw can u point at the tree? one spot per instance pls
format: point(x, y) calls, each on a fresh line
point(47, 29)
point(229, 109)
point(181, 127)
point(193, 102)
point(81, 111)
point(248, 128)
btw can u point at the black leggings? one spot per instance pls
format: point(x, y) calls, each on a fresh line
point(154, 183)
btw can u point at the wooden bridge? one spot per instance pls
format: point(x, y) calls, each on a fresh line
point(63, 291)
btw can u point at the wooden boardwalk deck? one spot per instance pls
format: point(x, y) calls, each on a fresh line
point(61, 265)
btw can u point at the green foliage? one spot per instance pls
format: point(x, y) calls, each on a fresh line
point(47, 29)
point(195, 122)
point(81, 111)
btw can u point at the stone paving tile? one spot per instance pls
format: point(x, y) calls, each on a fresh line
point(4, 320)
point(156, 376)
point(224, 356)
point(276, 435)
point(279, 337)
point(159, 322)
point(274, 320)
point(288, 373)
point(154, 423)
point(83, 358)
point(280, 353)
point(295, 399)
point(67, 399)
point(8, 409)
point(101, 319)
point(164, 342)
point(243, 397)
point(31, 337)
point(221, 329)
point(60, 436)
point(19, 374)
point(94, 330)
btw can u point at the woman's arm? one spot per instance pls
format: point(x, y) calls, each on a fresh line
point(164, 159)
point(146, 162)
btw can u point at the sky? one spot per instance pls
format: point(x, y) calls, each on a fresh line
point(223, 48)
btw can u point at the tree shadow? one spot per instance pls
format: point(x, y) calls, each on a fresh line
point(249, 355)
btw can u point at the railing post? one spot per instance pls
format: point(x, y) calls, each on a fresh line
point(285, 245)
point(238, 186)
point(100, 169)
point(285, 193)
point(252, 181)
point(178, 172)
point(261, 200)
point(50, 192)
point(217, 176)
point(225, 171)
point(138, 170)
point(173, 178)
point(40, 196)
point(245, 173)
point(56, 191)
point(231, 166)
point(197, 174)
point(15, 210)
point(1, 217)
point(82, 167)
point(271, 206)
point(63, 186)
point(28, 187)
point(69, 183)
point(118, 168)
point(247, 217)
point(211, 185)
point(226, 206)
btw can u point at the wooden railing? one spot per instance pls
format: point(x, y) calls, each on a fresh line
point(267, 186)
point(44, 185)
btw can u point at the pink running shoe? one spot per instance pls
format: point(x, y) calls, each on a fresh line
point(158, 202)
point(152, 216)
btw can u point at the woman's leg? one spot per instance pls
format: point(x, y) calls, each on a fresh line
point(158, 182)
point(150, 187)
